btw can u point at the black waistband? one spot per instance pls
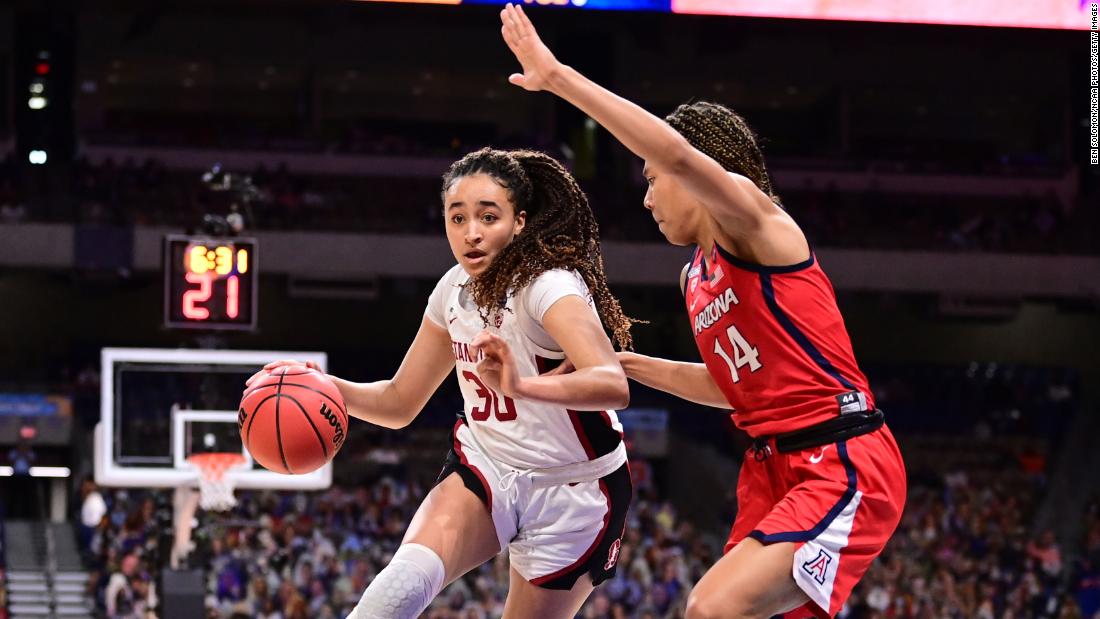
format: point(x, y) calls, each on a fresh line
point(828, 432)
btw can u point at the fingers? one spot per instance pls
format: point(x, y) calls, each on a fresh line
point(290, 362)
point(479, 341)
point(490, 344)
point(513, 19)
point(490, 372)
point(515, 26)
point(281, 363)
point(270, 368)
point(517, 23)
point(523, 23)
point(565, 368)
point(489, 365)
point(509, 27)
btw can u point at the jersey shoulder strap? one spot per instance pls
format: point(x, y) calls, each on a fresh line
point(685, 272)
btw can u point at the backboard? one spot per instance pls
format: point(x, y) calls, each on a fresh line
point(158, 406)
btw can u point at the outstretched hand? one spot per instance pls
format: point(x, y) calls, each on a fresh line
point(537, 60)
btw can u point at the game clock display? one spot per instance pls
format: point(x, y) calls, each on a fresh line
point(210, 282)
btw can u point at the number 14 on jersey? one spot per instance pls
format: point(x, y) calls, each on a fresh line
point(743, 353)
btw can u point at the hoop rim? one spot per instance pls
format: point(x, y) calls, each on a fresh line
point(213, 465)
point(215, 489)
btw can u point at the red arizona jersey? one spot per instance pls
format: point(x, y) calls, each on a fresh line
point(774, 341)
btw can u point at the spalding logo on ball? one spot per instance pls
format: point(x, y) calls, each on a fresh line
point(293, 421)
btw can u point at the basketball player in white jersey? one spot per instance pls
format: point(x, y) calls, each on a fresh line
point(538, 465)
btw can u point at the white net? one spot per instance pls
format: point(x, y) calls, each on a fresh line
point(215, 487)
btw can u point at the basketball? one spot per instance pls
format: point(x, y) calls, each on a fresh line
point(293, 421)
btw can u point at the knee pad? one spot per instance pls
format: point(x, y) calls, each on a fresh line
point(405, 587)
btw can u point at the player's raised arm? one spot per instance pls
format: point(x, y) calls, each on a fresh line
point(733, 200)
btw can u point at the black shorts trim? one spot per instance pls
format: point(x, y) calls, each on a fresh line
point(602, 558)
point(593, 428)
point(595, 432)
point(471, 477)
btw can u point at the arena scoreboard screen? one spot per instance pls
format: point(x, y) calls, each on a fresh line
point(210, 282)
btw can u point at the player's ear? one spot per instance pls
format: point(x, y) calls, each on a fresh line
point(521, 221)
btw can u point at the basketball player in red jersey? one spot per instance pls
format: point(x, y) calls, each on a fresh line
point(823, 488)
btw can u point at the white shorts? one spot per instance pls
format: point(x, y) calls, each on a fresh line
point(555, 531)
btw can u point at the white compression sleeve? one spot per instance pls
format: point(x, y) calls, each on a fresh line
point(405, 587)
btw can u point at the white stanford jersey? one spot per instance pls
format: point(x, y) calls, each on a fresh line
point(521, 434)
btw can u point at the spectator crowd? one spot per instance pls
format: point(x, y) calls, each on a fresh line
point(965, 548)
point(132, 193)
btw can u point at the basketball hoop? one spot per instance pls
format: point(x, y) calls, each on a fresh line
point(215, 487)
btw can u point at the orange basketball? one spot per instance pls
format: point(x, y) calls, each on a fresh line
point(293, 421)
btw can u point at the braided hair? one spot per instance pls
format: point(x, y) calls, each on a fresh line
point(560, 233)
point(723, 135)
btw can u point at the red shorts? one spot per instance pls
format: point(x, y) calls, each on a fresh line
point(839, 504)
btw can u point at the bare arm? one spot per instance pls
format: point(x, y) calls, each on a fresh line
point(394, 403)
point(598, 382)
point(690, 381)
point(734, 201)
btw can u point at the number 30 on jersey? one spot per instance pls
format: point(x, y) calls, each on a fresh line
point(743, 353)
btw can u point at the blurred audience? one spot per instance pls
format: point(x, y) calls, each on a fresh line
point(134, 193)
point(964, 549)
point(1086, 576)
point(285, 554)
point(966, 546)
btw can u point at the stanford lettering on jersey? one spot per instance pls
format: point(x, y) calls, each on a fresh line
point(714, 310)
point(462, 352)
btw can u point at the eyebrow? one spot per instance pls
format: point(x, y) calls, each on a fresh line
point(479, 203)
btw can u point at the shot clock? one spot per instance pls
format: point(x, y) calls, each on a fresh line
point(210, 282)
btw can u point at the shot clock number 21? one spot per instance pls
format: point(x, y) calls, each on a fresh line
point(210, 282)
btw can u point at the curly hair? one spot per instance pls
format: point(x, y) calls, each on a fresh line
point(723, 135)
point(560, 233)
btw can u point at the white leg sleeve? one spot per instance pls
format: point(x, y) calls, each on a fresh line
point(405, 587)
